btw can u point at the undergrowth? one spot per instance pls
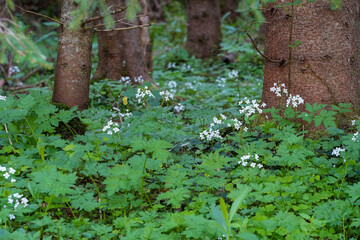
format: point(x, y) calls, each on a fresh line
point(198, 158)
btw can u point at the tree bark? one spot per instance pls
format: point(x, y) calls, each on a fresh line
point(324, 68)
point(204, 28)
point(120, 52)
point(73, 65)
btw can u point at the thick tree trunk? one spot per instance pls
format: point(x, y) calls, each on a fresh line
point(204, 28)
point(73, 65)
point(120, 52)
point(229, 7)
point(324, 68)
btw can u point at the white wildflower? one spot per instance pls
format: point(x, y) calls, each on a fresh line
point(178, 108)
point(11, 170)
point(6, 175)
point(11, 217)
point(2, 169)
point(2, 98)
point(336, 151)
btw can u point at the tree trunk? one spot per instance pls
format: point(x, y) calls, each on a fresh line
point(324, 68)
point(204, 28)
point(120, 52)
point(145, 34)
point(229, 6)
point(73, 65)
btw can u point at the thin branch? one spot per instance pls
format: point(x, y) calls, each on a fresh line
point(29, 74)
point(126, 28)
point(39, 14)
point(282, 61)
point(101, 17)
point(42, 83)
point(117, 21)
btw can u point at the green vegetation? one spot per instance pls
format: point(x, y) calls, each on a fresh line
point(185, 161)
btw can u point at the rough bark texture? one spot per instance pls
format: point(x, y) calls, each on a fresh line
point(325, 66)
point(145, 35)
point(204, 33)
point(229, 6)
point(120, 52)
point(73, 65)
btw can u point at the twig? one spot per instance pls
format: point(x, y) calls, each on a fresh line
point(28, 75)
point(126, 28)
point(282, 61)
point(100, 17)
point(39, 14)
point(8, 134)
point(103, 24)
point(42, 83)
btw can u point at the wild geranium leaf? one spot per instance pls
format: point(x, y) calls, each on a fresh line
point(247, 236)
point(84, 201)
point(157, 147)
point(123, 177)
point(354, 192)
point(174, 197)
point(51, 181)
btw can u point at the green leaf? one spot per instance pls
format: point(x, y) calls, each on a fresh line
point(51, 181)
point(238, 201)
point(224, 212)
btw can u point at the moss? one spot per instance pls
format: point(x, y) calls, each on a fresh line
point(72, 128)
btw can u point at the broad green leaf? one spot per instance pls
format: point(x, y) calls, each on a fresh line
point(238, 201)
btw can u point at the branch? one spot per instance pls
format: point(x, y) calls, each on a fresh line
point(41, 83)
point(281, 62)
point(39, 14)
point(117, 21)
point(100, 17)
point(29, 74)
point(126, 28)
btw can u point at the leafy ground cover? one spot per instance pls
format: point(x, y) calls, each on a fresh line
point(197, 158)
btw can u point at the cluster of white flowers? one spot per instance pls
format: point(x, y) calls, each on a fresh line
point(139, 79)
point(210, 134)
point(353, 122)
point(178, 108)
point(336, 151)
point(14, 69)
point(294, 101)
point(172, 86)
point(186, 67)
point(190, 85)
point(167, 95)
point(142, 93)
point(279, 90)
point(15, 199)
point(233, 74)
point(237, 124)
point(2, 98)
point(221, 81)
point(220, 122)
point(8, 172)
point(355, 137)
point(113, 127)
point(125, 80)
point(251, 107)
point(246, 161)
point(171, 65)
point(125, 115)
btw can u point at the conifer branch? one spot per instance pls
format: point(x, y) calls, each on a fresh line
point(117, 21)
point(39, 14)
point(125, 28)
point(101, 17)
